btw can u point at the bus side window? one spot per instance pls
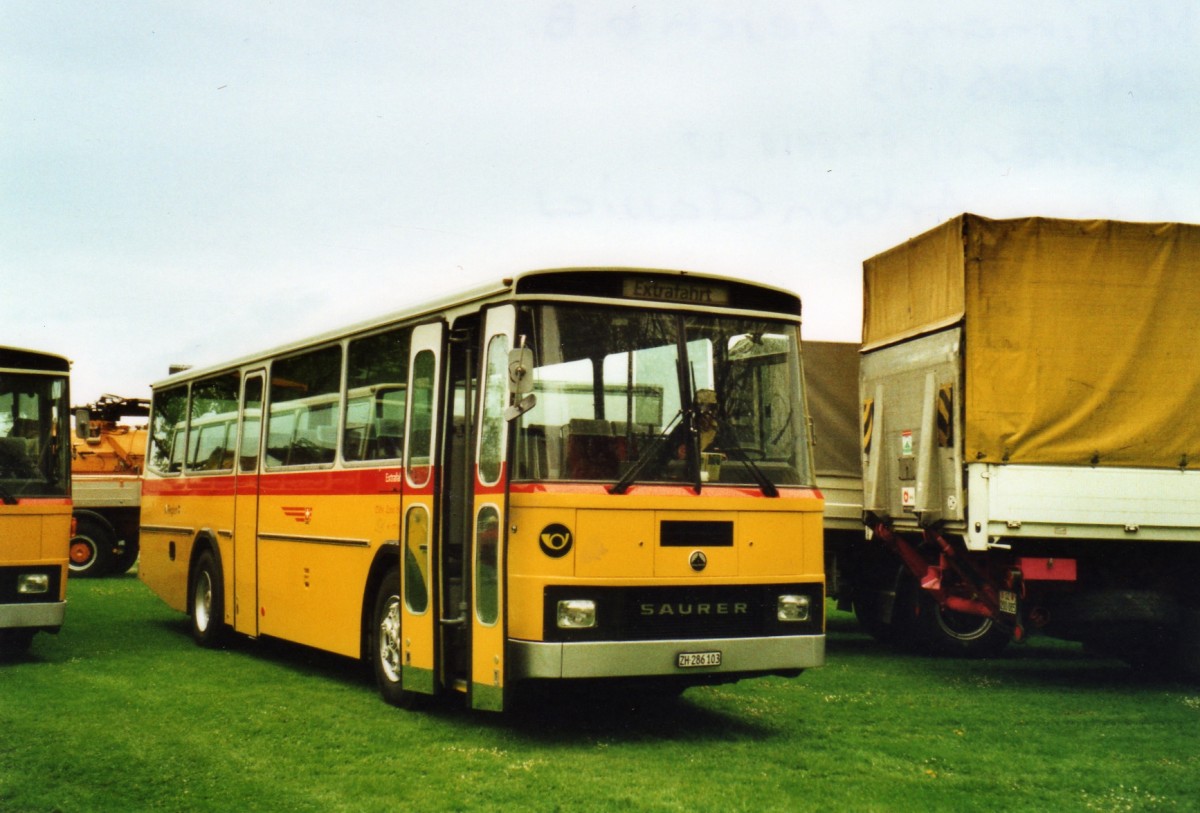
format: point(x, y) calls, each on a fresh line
point(302, 422)
point(376, 383)
point(251, 424)
point(168, 430)
point(213, 413)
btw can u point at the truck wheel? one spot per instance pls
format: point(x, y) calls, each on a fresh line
point(1187, 652)
point(882, 599)
point(877, 619)
point(91, 548)
point(386, 656)
point(125, 560)
point(868, 615)
point(208, 603)
point(945, 632)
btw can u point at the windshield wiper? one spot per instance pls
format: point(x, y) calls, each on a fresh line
point(7, 497)
point(760, 478)
point(648, 455)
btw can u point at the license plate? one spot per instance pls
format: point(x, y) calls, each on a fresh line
point(690, 660)
point(1008, 602)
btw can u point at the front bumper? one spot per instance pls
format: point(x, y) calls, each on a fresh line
point(599, 659)
point(43, 615)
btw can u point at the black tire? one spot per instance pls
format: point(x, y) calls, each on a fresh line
point(14, 643)
point(884, 597)
point(867, 613)
point(91, 550)
point(1187, 653)
point(879, 611)
point(123, 561)
point(939, 631)
point(385, 649)
point(207, 602)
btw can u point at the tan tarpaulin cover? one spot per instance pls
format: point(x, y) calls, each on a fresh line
point(831, 384)
point(1082, 338)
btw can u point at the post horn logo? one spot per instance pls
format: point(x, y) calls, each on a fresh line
point(555, 540)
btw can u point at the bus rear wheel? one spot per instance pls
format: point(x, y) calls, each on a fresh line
point(386, 655)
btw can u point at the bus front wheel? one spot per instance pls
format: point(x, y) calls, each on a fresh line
point(14, 642)
point(386, 655)
point(208, 604)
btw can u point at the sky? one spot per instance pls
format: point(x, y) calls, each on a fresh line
point(193, 182)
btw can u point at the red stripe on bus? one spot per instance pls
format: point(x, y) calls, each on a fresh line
point(388, 481)
point(659, 490)
point(482, 489)
point(337, 483)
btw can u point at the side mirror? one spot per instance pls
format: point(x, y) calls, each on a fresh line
point(83, 423)
point(520, 382)
point(520, 364)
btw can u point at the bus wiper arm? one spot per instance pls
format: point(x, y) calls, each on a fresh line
point(7, 497)
point(648, 454)
point(760, 478)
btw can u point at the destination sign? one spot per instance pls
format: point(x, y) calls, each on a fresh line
point(683, 291)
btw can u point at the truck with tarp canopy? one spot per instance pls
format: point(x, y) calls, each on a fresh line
point(1031, 453)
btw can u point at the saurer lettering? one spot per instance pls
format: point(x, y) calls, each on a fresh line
point(717, 608)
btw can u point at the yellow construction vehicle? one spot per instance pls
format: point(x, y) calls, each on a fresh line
point(106, 480)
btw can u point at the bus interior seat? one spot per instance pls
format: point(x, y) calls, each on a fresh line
point(591, 449)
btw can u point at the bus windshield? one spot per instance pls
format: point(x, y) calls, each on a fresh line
point(626, 396)
point(34, 439)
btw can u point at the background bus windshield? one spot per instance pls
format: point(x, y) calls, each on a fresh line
point(33, 436)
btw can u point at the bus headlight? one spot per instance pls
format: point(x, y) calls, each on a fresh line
point(576, 614)
point(32, 584)
point(793, 608)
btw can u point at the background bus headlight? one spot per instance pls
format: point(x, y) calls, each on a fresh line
point(576, 614)
point(31, 584)
point(793, 608)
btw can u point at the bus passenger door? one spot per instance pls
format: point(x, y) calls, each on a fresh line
point(245, 507)
point(487, 553)
point(419, 605)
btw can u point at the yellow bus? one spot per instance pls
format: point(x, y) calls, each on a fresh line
point(573, 474)
point(35, 495)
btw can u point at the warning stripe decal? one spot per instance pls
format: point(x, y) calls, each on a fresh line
point(868, 424)
point(945, 420)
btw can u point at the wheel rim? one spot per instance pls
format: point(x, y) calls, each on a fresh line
point(202, 604)
point(82, 553)
point(963, 626)
point(389, 640)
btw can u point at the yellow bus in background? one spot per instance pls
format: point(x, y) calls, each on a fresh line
point(574, 474)
point(35, 495)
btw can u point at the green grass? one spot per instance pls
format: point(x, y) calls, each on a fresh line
point(122, 712)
